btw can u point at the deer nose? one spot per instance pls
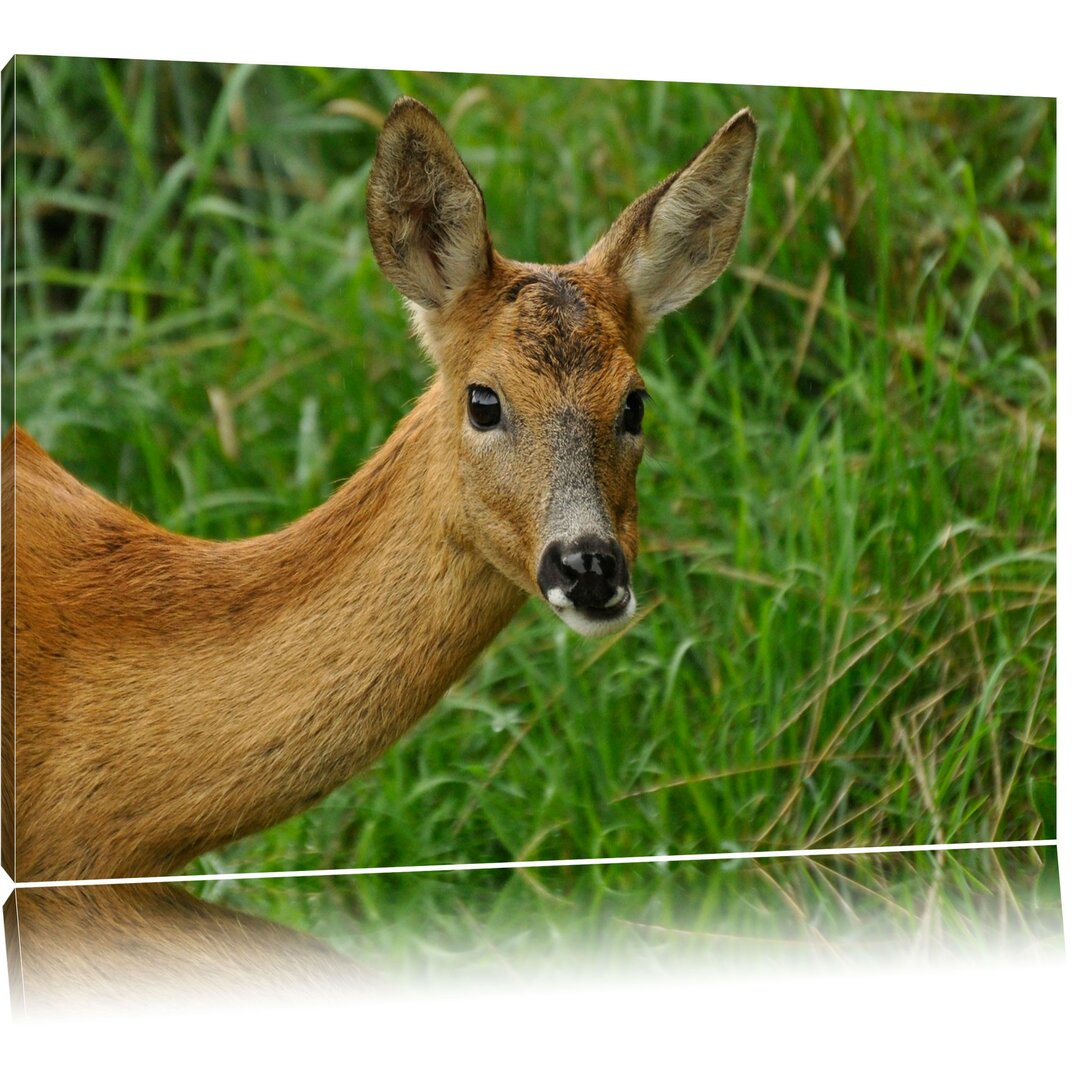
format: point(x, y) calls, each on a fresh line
point(587, 573)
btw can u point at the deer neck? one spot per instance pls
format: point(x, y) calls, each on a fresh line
point(391, 605)
point(358, 618)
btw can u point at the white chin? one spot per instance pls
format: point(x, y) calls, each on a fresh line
point(590, 627)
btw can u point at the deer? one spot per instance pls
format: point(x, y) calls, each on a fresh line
point(173, 693)
point(74, 947)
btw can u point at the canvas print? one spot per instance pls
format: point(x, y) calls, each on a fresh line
point(422, 469)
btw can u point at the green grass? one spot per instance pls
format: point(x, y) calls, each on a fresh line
point(947, 905)
point(848, 498)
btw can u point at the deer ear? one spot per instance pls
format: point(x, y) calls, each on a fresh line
point(425, 212)
point(676, 239)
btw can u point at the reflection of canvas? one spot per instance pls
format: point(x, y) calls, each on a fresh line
point(124, 945)
point(846, 577)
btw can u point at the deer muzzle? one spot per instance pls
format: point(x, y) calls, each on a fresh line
point(587, 583)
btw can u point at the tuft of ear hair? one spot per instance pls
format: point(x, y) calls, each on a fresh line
point(677, 239)
point(425, 212)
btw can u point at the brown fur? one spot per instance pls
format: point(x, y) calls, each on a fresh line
point(96, 946)
point(173, 694)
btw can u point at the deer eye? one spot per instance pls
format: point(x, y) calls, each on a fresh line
point(634, 412)
point(484, 408)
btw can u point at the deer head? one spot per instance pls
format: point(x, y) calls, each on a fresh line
point(542, 400)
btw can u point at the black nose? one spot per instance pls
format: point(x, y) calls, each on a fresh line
point(590, 572)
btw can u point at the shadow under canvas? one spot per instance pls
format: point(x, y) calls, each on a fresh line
point(119, 948)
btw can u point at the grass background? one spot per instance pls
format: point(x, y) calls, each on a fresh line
point(848, 498)
point(811, 909)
